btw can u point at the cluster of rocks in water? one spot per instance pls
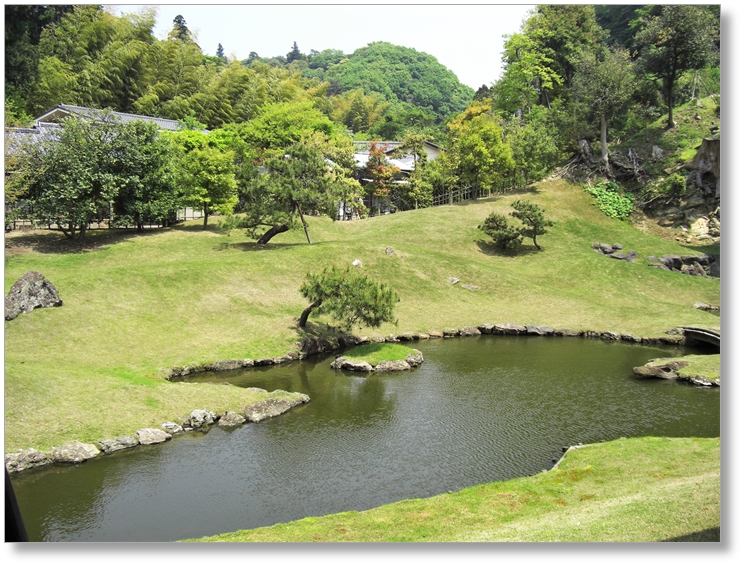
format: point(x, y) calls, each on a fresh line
point(412, 360)
point(669, 370)
point(76, 452)
point(697, 265)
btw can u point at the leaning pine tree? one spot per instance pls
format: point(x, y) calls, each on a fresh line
point(349, 297)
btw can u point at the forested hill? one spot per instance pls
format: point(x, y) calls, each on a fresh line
point(401, 74)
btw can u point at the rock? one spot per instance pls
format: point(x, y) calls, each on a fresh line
point(617, 247)
point(436, 334)
point(357, 263)
point(453, 280)
point(607, 335)
point(74, 452)
point(539, 330)
point(31, 291)
point(450, 332)
point(256, 389)
point(423, 336)
point(147, 436)
point(202, 417)
point(26, 460)
point(606, 248)
point(657, 153)
point(109, 445)
point(630, 338)
point(230, 419)
point(706, 307)
point(246, 363)
point(595, 245)
point(568, 332)
point(665, 371)
point(674, 340)
point(311, 345)
point(389, 250)
point(171, 427)
point(391, 365)
point(469, 287)
point(469, 331)
point(714, 269)
point(263, 362)
point(391, 338)
point(356, 365)
point(486, 328)
point(509, 328)
point(407, 337)
point(695, 270)
point(415, 359)
point(673, 262)
point(262, 410)
point(226, 365)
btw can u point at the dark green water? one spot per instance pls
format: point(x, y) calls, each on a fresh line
point(478, 410)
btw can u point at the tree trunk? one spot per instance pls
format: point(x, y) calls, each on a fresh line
point(272, 232)
point(670, 104)
point(307, 311)
point(534, 241)
point(304, 224)
point(206, 214)
point(603, 137)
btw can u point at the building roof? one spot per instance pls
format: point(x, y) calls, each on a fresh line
point(65, 110)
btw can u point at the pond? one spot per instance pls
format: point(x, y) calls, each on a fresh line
point(478, 410)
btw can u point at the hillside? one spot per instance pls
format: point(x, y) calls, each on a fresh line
point(136, 305)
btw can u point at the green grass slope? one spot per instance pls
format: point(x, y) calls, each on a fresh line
point(627, 490)
point(135, 305)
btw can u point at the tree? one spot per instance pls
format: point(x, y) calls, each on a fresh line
point(380, 172)
point(220, 52)
point(180, 30)
point(295, 54)
point(605, 80)
point(206, 170)
point(681, 38)
point(349, 297)
point(532, 218)
point(503, 235)
point(530, 215)
point(301, 179)
point(74, 177)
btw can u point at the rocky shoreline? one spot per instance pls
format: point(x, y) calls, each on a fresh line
point(669, 370)
point(201, 419)
point(76, 452)
point(411, 361)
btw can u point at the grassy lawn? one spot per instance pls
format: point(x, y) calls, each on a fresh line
point(627, 490)
point(137, 304)
point(373, 354)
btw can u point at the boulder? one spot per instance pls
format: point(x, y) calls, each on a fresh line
point(608, 335)
point(109, 445)
point(171, 427)
point(389, 250)
point(262, 410)
point(26, 460)
point(469, 331)
point(415, 359)
point(533, 330)
point(74, 452)
point(357, 263)
point(695, 270)
point(630, 338)
point(202, 417)
point(352, 365)
point(226, 365)
point(453, 280)
point(31, 291)
point(407, 337)
point(486, 328)
point(436, 334)
point(568, 332)
point(147, 436)
point(509, 328)
point(391, 365)
point(423, 336)
point(263, 362)
point(673, 262)
point(230, 419)
point(450, 332)
point(664, 371)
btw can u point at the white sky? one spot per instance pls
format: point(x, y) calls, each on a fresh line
point(467, 39)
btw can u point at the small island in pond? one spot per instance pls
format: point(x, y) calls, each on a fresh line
point(379, 358)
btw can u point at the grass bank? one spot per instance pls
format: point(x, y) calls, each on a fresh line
point(138, 304)
point(627, 490)
point(373, 354)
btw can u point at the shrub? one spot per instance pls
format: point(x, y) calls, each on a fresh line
point(503, 235)
point(609, 201)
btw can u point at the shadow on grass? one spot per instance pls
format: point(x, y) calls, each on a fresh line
point(708, 535)
point(55, 242)
point(198, 228)
point(488, 248)
point(253, 246)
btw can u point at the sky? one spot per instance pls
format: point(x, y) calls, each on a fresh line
point(467, 39)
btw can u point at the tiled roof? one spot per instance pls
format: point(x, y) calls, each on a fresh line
point(162, 123)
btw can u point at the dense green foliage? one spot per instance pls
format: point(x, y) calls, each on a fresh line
point(350, 297)
point(610, 201)
point(497, 227)
point(91, 167)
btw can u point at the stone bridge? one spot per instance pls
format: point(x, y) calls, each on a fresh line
point(700, 334)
